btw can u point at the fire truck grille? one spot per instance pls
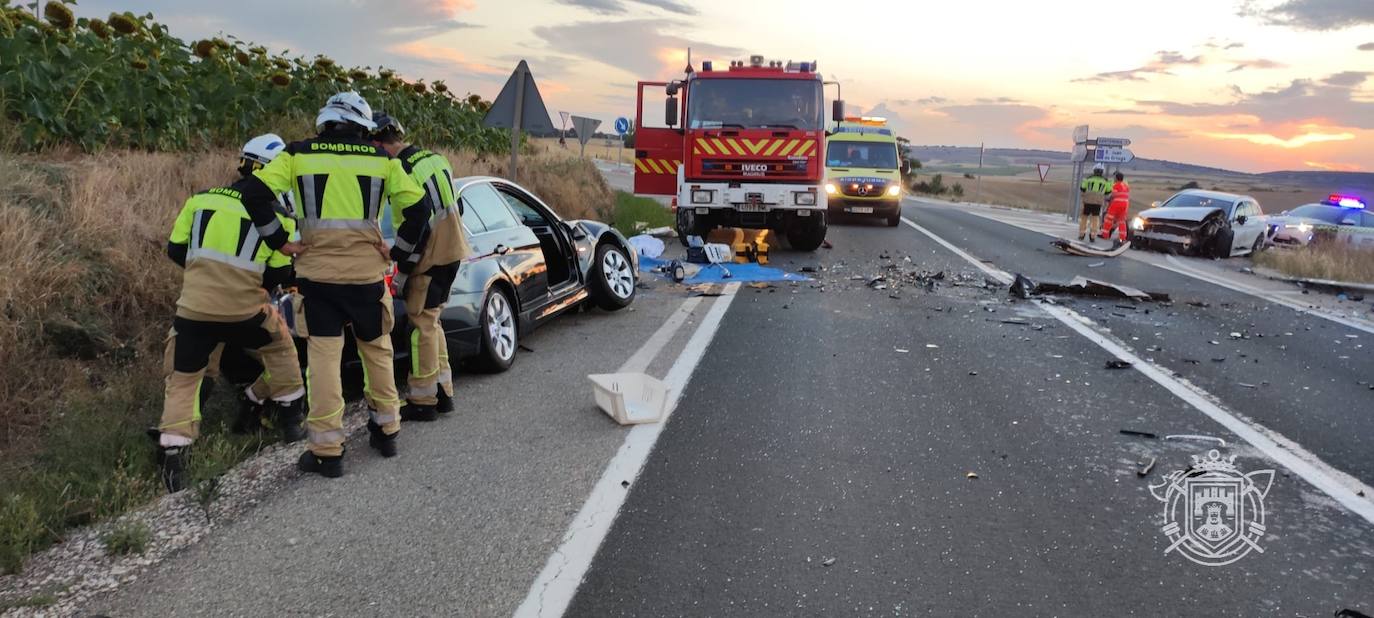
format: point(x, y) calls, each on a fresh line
point(744, 167)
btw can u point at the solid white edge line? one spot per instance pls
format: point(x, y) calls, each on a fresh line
point(650, 349)
point(553, 590)
point(1176, 266)
point(1341, 487)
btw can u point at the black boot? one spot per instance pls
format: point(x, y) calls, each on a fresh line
point(249, 417)
point(445, 404)
point(290, 418)
point(328, 467)
point(377, 439)
point(416, 412)
point(173, 463)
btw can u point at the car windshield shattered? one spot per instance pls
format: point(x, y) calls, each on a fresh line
point(1190, 200)
point(755, 104)
point(861, 154)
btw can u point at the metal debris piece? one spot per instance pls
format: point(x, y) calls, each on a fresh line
point(1141, 434)
point(971, 475)
point(1145, 471)
point(1118, 364)
point(1097, 264)
point(828, 562)
point(1024, 287)
point(1247, 385)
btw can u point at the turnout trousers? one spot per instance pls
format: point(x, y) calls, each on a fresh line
point(425, 296)
point(366, 309)
point(192, 343)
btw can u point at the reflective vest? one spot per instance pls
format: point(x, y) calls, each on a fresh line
point(225, 258)
point(1095, 189)
point(443, 240)
point(1121, 195)
point(339, 187)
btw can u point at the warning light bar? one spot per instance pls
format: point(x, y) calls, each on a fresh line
point(874, 121)
point(1345, 201)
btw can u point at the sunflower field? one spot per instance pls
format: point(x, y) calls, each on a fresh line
point(125, 82)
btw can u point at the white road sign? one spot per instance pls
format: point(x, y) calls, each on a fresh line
point(1112, 141)
point(1113, 154)
point(1080, 134)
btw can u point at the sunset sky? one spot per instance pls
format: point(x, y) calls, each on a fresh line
point(1254, 85)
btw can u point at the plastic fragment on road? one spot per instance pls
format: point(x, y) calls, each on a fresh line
point(1073, 247)
point(971, 475)
point(1024, 287)
point(1189, 436)
point(1145, 470)
point(828, 562)
point(1141, 434)
point(1118, 364)
point(646, 245)
point(630, 398)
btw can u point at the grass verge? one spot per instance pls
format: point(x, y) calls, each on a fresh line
point(634, 214)
point(127, 538)
point(1334, 261)
point(88, 295)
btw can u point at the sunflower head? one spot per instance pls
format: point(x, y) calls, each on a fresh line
point(357, 75)
point(123, 23)
point(279, 78)
point(418, 87)
point(59, 15)
point(241, 57)
point(440, 87)
point(203, 48)
point(139, 64)
point(99, 28)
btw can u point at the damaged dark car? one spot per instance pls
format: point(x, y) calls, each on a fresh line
point(1203, 223)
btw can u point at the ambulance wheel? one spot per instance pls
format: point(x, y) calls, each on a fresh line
point(807, 233)
point(894, 220)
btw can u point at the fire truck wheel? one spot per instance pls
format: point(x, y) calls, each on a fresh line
point(687, 225)
point(807, 234)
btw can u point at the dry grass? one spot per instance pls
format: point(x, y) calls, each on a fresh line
point(88, 293)
point(1333, 261)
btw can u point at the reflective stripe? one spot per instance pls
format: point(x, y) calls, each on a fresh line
point(433, 192)
point(444, 214)
point(326, 438)
point(430, 390)
point(265, 230)
point(337, 224)
point(289, 397)
point(400, 280)
point(414, 257)
point(403, 245)
point(385, 419)
point(231, 260)
point(374, 199)
point(250, 244)
point(310, 205)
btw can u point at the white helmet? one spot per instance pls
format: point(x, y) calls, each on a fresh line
point(1099, 168)
point(263, 148)
point(346, 107)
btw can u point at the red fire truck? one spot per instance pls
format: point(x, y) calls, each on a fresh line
point(748, 150)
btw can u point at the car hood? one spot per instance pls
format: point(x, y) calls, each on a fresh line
point(1186, 213)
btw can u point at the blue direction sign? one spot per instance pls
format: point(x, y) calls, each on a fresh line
point(622, 125)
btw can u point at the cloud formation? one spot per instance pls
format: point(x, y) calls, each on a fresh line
point(1312, 14)
point(1164, 60)
point(618, 7)
point(1257, 63)
point(1331, 100)
point(1366, 47)
point(606, 41)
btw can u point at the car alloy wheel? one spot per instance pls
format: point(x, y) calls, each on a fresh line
point(500, 326)
point(619, 278)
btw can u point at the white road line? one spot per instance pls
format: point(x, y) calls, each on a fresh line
point(647, 352)
point(557, 583)
point(1177, 266)
point(1340, 486)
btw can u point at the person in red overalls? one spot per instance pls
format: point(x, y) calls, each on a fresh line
point(1116, 209)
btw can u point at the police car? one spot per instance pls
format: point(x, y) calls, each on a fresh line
point(1342, 218)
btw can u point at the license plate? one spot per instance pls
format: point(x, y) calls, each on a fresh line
point(861, 210)
point(753, 207)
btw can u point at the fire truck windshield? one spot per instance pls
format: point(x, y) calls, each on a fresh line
point(755, 104)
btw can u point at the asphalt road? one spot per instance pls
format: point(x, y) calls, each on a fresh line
point(842, 450)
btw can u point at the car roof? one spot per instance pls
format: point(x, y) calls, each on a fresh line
point(1217, 195)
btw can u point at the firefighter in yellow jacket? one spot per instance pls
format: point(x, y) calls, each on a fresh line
point(427, 260)
point(341, 182)
point(228, 269)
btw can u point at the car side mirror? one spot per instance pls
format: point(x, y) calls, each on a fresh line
point(1240, 220)
point(1154, 204)
point(837, 110)
point(576, 231)
point(670, 111)
point(906, 167)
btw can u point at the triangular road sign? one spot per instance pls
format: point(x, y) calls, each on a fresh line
point(534, 116)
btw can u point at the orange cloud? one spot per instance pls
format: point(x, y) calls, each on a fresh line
point(1297, 141)
point(439, 54)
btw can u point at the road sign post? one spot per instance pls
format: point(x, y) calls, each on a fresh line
point(518, 107)
point(1080, 152)
point(622, 126)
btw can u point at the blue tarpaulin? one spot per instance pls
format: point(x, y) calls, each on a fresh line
point(715, 273)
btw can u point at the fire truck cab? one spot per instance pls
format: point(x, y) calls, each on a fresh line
point(739, 146)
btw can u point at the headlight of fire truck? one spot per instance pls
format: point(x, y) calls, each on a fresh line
point(702, 196)
point(830, 188)
point(804, 198)
point(894, 190)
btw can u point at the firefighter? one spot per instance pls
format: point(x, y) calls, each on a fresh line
point(427, 260)
point(1094, 190)
point(1119, 203)
point(340, 181)
point(228, 269)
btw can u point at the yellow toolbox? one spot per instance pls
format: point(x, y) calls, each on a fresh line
point(748, 245)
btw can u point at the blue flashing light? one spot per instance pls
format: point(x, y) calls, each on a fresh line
point(1345, 201)
point(706, 65)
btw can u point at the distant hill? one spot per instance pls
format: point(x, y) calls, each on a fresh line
point(963, 157)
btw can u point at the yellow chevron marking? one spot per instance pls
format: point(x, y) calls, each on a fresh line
point(654, 165)
point(676, 164)
point(777, 143)
point(639, 165)
point(696, 151)
point(790, 145)
point(753, 147)
point(721, 148)
point(705, 146)
point(805, 150)
point(667, 168)
point(735, 144)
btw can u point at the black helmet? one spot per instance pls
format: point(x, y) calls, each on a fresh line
point(388, 128)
